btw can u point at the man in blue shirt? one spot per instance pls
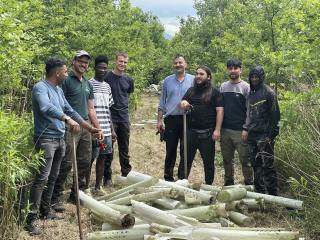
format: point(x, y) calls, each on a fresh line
point(174, 88)
point(51, 112)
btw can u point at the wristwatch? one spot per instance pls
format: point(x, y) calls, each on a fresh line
point(66, 119)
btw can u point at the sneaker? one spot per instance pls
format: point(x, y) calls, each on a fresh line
point(58, 207)
point(51, 215)
point(33, 228)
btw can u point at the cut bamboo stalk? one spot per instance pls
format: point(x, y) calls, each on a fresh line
point(106, 213)
point(144, 197)
point(254, 204)
point(167, 203)
point(232, 194)
point(109, 227)
point(286, 202)
point(226, 234)
point(203, 212)
point(146, 183)
point(225, 222)
point(122, 181)
point(240, 219)
point(247, 187)
point(121, 195)
point(210, 188)
point(205, 198)
point(125, 234)
point(120, 208)
point(154, 215)
point(158, 228)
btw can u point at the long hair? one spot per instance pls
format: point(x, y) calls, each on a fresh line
point(207, 87)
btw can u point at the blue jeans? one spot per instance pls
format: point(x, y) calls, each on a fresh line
point(43, 184)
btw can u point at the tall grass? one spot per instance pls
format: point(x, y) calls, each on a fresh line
point(16, 164)
point(298, 150)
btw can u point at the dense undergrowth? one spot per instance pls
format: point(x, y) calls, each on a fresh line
point(17, 163)
point(298, 152)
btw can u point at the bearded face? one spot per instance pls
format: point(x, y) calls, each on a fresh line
point(202, 80)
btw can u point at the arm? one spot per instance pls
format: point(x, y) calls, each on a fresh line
point(93, 119)
point(131, 88)
point(161, 107)
point(274, 116)
point(217, 131)
point(41, 95)
point(244, 133)
point(75, 120)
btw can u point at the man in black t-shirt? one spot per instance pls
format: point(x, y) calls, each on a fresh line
point(121, 86)
point(204, 121)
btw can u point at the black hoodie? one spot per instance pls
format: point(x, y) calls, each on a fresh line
point(263, 110)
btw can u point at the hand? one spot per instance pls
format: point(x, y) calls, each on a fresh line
point(114, 136)
point(244, 135)
point(74, 127)
point(160, 126)
point(216, 135)
point(185, 105)
point(99, 135)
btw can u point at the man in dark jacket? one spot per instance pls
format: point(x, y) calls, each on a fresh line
point(263, 127)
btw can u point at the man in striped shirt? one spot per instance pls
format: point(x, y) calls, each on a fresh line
point(102, 102)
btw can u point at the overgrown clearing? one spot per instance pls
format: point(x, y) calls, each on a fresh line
point(147, 156)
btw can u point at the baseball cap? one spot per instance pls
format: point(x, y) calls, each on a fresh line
point(81, 53)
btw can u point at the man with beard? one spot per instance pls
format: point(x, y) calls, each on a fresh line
point(173, 89)
point(121, 86)
point(102, 102)
point(234, 131)
point(204, 120)
point(51, 113)
point(79, 94)
point(263, 127)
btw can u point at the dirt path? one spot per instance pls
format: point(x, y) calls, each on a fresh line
point(147, 156)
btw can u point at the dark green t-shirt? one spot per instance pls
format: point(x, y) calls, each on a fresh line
point(77, 94)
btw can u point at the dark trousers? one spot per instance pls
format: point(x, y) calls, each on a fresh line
point(43, 184)
point(83, 144)
point(122, 130)
point(173, 134)
point(262, 159)
point(202, 140)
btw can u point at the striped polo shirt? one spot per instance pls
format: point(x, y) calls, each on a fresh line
point(102, 102)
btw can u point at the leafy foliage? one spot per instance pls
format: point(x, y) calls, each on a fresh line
point(17, 163)
point(298, 152)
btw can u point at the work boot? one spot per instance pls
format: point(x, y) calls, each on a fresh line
point(32, 227)
point(50, 215)
point(58, 207)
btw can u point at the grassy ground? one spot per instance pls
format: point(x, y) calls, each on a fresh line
point(147, 156)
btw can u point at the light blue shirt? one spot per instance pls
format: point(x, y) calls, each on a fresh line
point(49, 105)
point(172, 93)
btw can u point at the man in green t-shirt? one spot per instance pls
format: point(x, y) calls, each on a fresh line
point(79, 93)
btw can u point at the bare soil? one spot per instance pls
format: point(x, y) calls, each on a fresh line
point(147, 156)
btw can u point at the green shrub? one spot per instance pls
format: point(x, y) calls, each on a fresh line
point(298, 150)
point(17, 162)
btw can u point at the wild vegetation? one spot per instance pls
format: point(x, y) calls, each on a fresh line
point(281, 35)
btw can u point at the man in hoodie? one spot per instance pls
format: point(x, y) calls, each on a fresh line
point(263, 126)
